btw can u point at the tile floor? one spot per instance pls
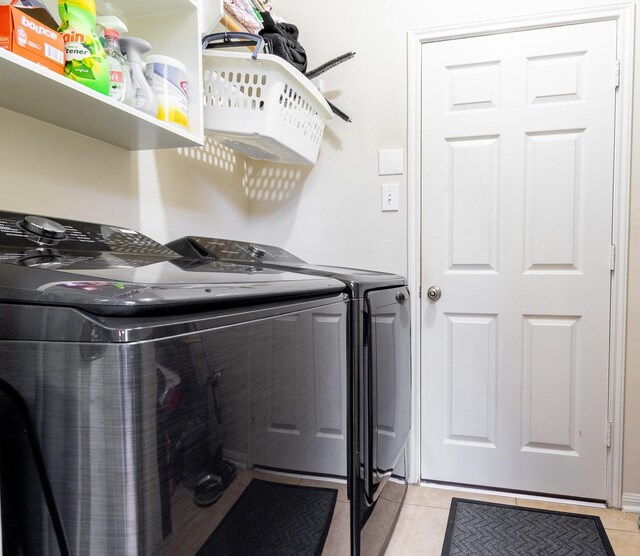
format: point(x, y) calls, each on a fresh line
point(423, 521)
point(419, 531)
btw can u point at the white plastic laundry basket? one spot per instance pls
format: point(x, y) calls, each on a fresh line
point(263, 108)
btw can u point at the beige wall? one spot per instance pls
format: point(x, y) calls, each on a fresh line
point(631, 482)
point(343, 190)
point(49, 171)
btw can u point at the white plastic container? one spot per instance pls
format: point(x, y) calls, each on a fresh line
point(263, 108)
point(168, 80)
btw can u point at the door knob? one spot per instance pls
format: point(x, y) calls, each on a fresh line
point(434, 293)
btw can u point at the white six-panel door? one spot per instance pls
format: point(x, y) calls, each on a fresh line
point(517, 179)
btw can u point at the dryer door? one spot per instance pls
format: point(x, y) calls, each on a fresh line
point(388, 380)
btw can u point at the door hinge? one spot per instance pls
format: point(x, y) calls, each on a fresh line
point(420, 292)
point(613, 257)
point(608, 434)
point(617, 75)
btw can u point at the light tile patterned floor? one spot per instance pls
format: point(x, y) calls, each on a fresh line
point(423, 521)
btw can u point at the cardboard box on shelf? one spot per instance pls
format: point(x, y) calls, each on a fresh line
point(30, 33)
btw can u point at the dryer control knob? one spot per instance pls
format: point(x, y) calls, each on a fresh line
point(256, 251)
point(43, 227)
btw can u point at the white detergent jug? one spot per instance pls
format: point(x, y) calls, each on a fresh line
point(168, 79)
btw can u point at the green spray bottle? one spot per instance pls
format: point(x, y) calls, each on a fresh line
point(86, 59)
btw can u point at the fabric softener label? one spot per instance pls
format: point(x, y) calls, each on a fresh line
point(86, 61)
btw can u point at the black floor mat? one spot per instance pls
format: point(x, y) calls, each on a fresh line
point(483, 528)
point(274, 518)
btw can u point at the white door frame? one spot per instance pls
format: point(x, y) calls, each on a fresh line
point(623, 14)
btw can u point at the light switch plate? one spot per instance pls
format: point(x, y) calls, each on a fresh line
point(390, 193)
point(390, 162)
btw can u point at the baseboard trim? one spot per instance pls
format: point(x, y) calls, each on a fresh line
point(631, 502)
point(515, 494)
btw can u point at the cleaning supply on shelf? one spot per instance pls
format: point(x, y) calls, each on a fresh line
point(134, 48)
point(168, 80)
point(31, 33)
point(86, 59)
point(109, 22)
point(122, 87)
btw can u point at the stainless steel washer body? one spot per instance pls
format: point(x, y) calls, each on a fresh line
point(139, 395)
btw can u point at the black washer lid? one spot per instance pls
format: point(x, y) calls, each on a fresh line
point(113, 270)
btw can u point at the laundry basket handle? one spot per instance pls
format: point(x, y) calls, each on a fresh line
point(249, 40)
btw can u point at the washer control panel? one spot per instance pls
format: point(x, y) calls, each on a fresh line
point(26, 232)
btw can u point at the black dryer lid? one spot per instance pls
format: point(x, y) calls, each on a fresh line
point(264, 256)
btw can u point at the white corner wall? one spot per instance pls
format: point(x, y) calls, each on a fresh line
point(335, 217)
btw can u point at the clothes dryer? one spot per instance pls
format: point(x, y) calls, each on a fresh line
point(379, 378)
point(141, 394)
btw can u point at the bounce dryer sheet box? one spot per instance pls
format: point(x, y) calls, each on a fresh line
point(28, 32)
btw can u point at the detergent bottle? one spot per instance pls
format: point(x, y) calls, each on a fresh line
point(85, 56)
point(122, 84)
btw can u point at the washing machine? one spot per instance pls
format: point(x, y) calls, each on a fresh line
point(379, 378)
point(152, 404)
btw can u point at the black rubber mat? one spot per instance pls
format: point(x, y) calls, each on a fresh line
point(483, 529)
point(274, 518)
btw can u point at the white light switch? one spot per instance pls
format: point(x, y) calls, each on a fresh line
point(390, 162)
point(390, 197)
